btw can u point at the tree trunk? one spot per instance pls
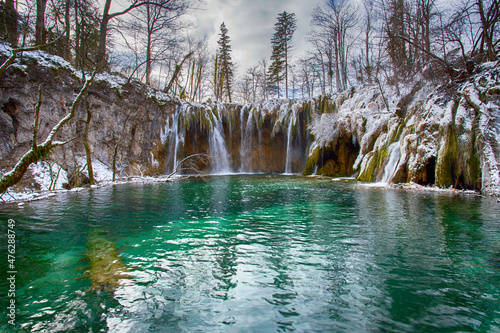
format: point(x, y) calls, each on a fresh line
point(40, 22)
point(148, 46)
point(486, 32)
point(286, 66)
point(368, 68)
point(14, 176)
point(67, 30)
point(88, 153)
point(103, 34)
point(78, 57)
point(11, 24)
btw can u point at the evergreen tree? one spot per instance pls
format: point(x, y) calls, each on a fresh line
point(278, 70)
point(223, 66)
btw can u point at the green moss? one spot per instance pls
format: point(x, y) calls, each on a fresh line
point(375, 163)
point(327, 169)
point(474, 164)
point(445, 168)
point(312, 161)
point(398, 132)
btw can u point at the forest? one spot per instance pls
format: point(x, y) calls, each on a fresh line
point(382, 42)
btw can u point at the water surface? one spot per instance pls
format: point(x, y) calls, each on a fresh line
point(259, 254)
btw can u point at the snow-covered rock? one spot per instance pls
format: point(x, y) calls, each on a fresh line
point(445, 136)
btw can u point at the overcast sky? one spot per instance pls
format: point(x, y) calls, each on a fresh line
point(251, 25)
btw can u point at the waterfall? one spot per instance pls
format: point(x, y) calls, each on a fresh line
point(242, 141)
point(266, 137)
point(174, 138)
point(288, 163)
point(391, 165)
point(246, 144)
point(291, 123)
point(218, 151)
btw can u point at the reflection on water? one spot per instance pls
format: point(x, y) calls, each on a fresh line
point(261, 254)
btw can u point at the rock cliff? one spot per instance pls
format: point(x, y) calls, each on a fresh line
point(124, 115)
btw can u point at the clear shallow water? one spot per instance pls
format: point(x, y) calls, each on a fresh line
point(259, 254)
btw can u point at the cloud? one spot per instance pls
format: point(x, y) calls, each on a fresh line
point(251, 25)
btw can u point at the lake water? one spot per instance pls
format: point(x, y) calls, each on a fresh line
point(257, 254)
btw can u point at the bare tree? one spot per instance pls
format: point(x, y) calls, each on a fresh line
point(336, 20)
point(168, 5)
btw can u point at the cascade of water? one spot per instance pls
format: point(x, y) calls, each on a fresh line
point(291, 123)
point(288, 163)
point(246, 145)
point(391, 165)
point(175, 138)
point(242, 133)
point(259, 133)
point(165, 132)
point(218, 151)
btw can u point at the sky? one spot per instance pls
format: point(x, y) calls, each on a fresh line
point(250, 25)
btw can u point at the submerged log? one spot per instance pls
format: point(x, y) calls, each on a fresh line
point(106, 267)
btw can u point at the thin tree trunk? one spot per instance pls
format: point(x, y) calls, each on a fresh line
point(368, 68)
point(78, 57)
point(88, 153)
point(103, 34)
point(67, 30)
point(486, 32)
point(11, 23)
point(286, 65)
point(40, 22)
point(148, 46)
point(176, 72)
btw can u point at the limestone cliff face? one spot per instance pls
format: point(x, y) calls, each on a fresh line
point(125, 115)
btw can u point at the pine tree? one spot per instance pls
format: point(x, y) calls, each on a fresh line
point(278, 70)
point(223, 66)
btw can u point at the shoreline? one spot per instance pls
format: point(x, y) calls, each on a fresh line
point(23, 197)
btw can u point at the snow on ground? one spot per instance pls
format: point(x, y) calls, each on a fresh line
point(102, 172)
point(49, 175)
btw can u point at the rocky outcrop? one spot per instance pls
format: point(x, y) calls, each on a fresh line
point(445, 136)
point(125, 115)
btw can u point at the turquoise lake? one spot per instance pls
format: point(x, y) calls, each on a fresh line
point(261, 253)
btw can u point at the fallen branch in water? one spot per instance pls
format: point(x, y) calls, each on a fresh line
point(191, 165)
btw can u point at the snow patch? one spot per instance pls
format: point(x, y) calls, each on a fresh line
point(50, 176)
point(102, 172)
